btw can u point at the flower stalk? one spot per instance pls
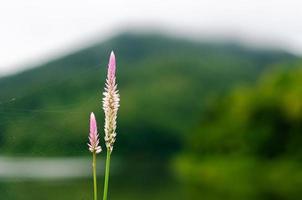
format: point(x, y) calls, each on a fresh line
point(95, 190)
point(107, 172)
point(110, 106)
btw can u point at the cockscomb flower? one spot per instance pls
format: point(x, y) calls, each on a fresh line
point(93, 136)
point(110, 104)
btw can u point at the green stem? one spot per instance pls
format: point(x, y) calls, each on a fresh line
point(95, 192)
point(107, 174)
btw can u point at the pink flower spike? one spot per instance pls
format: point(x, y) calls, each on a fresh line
point(111, 66)
point(111, 104)
point(93, 136)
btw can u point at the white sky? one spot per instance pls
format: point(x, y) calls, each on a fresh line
point(33, 31)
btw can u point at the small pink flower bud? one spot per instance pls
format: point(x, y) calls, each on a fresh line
point(93, 136)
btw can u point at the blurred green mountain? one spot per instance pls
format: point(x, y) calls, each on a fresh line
point(164, 84)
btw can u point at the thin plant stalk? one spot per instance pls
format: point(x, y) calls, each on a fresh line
point(107, 172)
point(95, 192)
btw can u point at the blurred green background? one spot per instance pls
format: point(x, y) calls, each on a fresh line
point(198, 120)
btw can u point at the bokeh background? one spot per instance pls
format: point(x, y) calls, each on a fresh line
point(211, 99)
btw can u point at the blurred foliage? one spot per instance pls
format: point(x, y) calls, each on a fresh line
point(248, 145)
